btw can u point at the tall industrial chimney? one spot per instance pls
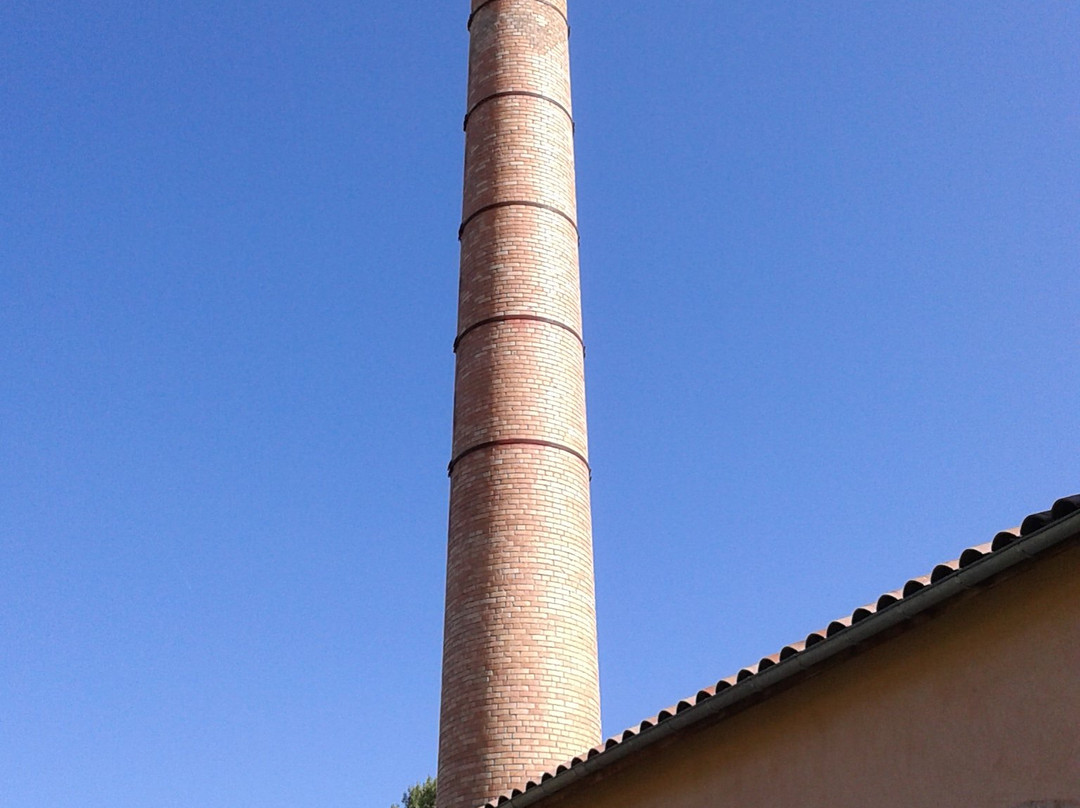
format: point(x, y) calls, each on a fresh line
point(520, 688)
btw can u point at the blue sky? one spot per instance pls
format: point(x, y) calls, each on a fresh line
point(829, 257)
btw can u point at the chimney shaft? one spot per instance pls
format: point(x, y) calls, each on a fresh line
point(520, 689)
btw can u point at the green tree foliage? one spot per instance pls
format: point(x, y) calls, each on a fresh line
point(422, 795)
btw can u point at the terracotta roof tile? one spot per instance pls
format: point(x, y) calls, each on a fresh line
point(730, 687)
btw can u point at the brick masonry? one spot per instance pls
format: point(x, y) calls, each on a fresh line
point(520, 685)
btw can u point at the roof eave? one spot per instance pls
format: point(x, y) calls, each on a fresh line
point(735, 697)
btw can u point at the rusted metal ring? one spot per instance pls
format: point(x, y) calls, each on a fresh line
point(516, 442)
point(484, 5)
point(502, 318)
point(514, 203)
point(527, 94)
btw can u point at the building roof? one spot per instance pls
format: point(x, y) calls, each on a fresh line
point(1038, 534)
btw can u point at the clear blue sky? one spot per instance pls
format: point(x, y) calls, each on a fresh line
point(829, 258)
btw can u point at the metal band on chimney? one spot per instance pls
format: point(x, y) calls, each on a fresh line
point(502, 318)
point(525, 93)
point(515, 203)
point(518, 442)
point(550, 5)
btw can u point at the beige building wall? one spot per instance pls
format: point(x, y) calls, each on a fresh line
point(977, 706)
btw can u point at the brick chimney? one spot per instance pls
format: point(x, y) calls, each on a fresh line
point(520, 688)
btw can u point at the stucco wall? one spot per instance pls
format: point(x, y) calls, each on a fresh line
point(978, 705)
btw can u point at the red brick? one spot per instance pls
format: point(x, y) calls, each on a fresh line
point(520, 685)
